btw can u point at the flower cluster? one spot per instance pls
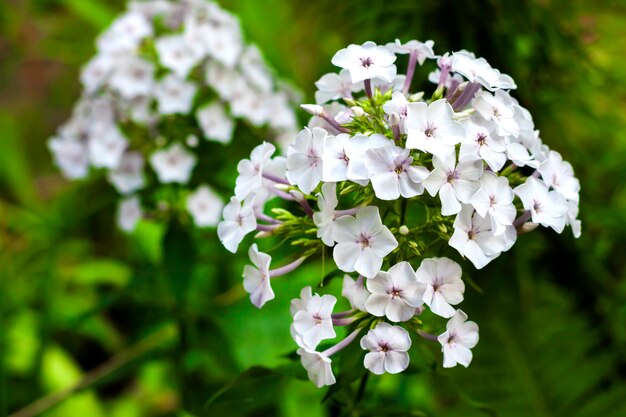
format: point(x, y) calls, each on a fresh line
point(391, 181)
point(167, 76)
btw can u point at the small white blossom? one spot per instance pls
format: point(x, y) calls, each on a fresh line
point(106, 148)
point(174, 95)
point(422, 50)
point(256, 279)
point(132, 77)
point(431, 128)
point(215, 123)
point(397, 105)
point(559, 175)
point(334, 86)
point(251, 170)
point(324, 219)
point(481, 142)
point(70, 156)
point(455, 183)
point(318, 367)
point(176, 54)
point(392, 173)
point(314, 323)
point(96, 72)
point(355, 292)
point(362, 242)
point(495, 199)
point(444, 286)
point(474, 238)
point(128, 176)
point(239, 220)
point(173, 164)
point(547, 208)
point(388, 346)
point(395, 293)
point(519, 155)
point(460, 336)
point(304, 159)
point(478, 70)
point(366, 61)
point(129, 213)
point(496, 108)
point(205, 206)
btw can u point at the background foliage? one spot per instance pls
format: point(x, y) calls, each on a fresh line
point(156, 324)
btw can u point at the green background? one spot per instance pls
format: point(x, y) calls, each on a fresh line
point(85, 307)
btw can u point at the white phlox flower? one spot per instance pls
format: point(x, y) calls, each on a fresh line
point(460, 336)
point(250, 177)
point(128, 176)
point(355, 291)
point(70, 156)
point(205, 206)
point(256, 279)
point(431, 128)
point(388, 346)
point(496, 108)
point(334, 86)
point(366, 61)
point(106, 148)
point(392, 173)
point(174, 95)
point(324, 219)
point(129, 213)
point(455, 183)
point(398, 105)
point(547, 208)
point(444, 286)
point(215, 123)
point(362, 242)
point(479, 71)
point(305, 159)
point(494, 199)
point(474, 238)
point(318, 366)
point(132, 77)
point(395, 293)
point(176, 54)
point(173, 164)
point(238, 221)
point(559, 175)
point(314, 323)
point(422, 50)
point(481, 142)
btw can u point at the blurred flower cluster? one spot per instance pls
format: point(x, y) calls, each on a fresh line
point(397, 183)
point(167, 76)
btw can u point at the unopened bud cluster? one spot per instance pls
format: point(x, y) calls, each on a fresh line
point(396, 183)
point(167, 75)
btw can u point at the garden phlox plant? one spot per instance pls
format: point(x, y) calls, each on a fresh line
point(395, 184)
point(167, 89)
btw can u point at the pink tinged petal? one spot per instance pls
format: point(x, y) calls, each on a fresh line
point(397, 310)
point(410, 182)
point(435, 181)
point(440, 306)
point(468, 336)
point(459, 354)
point(383, 243)
point(376, 304)
point(371, 340)
point(369, 220)
point(380, 284)
point(375, 362)
point(465, 189)
point(449, 203)
point(475, 254)
point(346, 255)
point(347, 229)
point(368, 263)
point(386, 185)
point(327, 305)
point(396, 362)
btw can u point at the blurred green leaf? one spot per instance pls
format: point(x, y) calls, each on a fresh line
point(96, 12)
